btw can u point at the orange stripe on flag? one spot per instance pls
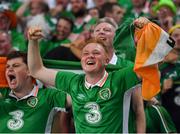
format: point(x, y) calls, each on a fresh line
point(150, 39)
point(3, 81)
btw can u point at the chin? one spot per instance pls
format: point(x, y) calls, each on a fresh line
point(12, 86)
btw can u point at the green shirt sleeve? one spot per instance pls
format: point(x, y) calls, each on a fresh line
point(158, 120)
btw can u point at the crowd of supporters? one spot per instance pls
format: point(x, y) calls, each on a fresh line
point(68, 24)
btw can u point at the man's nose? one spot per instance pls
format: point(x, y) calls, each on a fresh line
point(91, 55)
point(101, 31)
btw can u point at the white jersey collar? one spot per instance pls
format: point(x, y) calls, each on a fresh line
point(100, 83)
point(34, 93)
point(113, 60)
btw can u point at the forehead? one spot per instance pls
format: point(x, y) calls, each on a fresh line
point(64, 22)
point(93, 46)
point(165, 8)
point(104, 25)
point(15, 60)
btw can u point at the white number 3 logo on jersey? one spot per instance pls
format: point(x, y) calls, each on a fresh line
point(16, 122)
point(94, 114)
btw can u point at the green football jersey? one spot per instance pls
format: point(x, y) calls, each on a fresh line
point(33, 114)
point(158, 120)
point(99, 109)
point(123, 62)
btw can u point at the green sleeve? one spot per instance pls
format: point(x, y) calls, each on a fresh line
point(124, 41)
point(158, 120)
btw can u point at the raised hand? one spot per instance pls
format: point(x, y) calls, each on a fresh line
point(35, 33)
point(140, 22)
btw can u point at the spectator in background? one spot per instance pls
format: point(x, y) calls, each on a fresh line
point(8, 20)
point(138, 9)
point(114, 11)
point(78, 9)
point(94, 12)
point(104, 29)
point(5, 43)
point(177, 3)
point(60, 6)
point(152, 13)
point(57, 45)
point(25, 108)
point(99, 3)
point(166, 13)
point(170, 79)
point(8, 23)
point(30, 9)
point(175, 34)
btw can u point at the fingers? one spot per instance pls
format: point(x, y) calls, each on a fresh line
point(35, 33)
point(140, 22)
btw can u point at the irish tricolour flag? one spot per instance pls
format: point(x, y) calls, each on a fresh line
point(153, 44)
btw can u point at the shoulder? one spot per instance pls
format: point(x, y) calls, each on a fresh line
point(4, 91)
point(69, 75)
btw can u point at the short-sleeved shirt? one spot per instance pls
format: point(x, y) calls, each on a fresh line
point(98, 109)
point(158, 120)
point(33, 114)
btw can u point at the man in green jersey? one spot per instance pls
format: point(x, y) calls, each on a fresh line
point(99, 99)
point(25, 108)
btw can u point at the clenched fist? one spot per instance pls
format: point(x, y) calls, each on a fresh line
point(35, 33)
point(140, 22)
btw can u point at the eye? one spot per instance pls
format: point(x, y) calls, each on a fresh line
point(85, 53)
point(7, 66)
point(97, 30)
point(107, 30)
point(16, 65)
point(96, 52)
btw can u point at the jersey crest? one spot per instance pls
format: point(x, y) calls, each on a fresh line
point(105, 93)
point(32, 102)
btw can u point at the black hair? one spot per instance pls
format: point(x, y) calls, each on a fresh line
point(67, 19)
point(17, 54)
point(106, 7)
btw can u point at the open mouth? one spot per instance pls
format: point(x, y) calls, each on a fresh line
point(90, 63)
point(12, 78)
point(102, 38)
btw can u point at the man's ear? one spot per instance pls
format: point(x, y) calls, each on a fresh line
point(107, 61)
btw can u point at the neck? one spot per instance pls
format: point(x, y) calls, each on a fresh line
point(110, 53)
point(24, 90)
point(94, 78)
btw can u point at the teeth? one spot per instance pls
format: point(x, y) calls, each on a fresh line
point(90, 62)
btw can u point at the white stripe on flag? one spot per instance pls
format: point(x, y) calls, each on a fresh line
point(161, 50)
